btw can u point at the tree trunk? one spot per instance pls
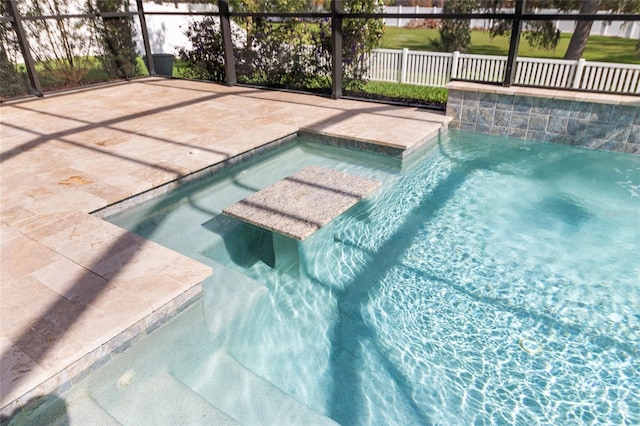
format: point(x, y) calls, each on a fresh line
point(583, 28)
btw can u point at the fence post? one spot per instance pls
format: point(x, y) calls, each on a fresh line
point(578, 75)
point(403, 65)
point(399, 19)
point(454, 64)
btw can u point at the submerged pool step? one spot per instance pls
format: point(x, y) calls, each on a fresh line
point(76, 409)
point(247, 397)
point(81, 409)
point(163, 400)
point(229, 298)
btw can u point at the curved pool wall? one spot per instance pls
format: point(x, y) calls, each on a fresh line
point(491, 280)
point(590, 120)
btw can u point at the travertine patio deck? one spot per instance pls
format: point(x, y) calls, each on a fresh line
point(76, 289)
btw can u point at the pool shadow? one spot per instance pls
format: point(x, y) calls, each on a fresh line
point(43, 410)
point(351, 333)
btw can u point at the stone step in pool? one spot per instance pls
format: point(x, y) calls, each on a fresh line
point(300, 204)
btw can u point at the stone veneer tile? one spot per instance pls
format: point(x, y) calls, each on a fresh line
point(535, 135)
point(624, 115)
point(601, 112)
point(500, 131)
point(597, 130)
point(504, 102)
point(88, 364)
point(634, 134)
point(159, 317)
point(488, 100)
point(557, 124)
point(593, 121)
point(576, 130)
point(538, 122)
point(519, 120)
point(455, 97)
point(469, 113)
point(561, 108)
point(454, 110)
point(632, 148)
point(593, 143)
point(611, 145)
point(517, 133)
point(127, 338)
point(188, 298)
point(619, 135)
point(541, 106)
point(576, 126)
point(485, 117)
point(554, 137)
point(483, 127)
point(580, 110)
point(502, 118)
point(471, 96)
point(522, 104)
point(469, 126)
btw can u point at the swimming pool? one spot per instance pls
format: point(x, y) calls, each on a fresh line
point(489, 280)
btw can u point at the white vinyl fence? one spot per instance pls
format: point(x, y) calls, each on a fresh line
point(437, 69)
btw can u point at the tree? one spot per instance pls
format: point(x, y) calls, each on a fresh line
point(62, 47)
point(119, 55)
point(543, 34)
point(455, 34)
point(291, 52)
point(13, 82)
point(581, 33)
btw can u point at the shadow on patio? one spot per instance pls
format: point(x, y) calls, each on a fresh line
point(70, 282)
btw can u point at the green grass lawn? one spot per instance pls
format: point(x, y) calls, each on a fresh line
point(599, 48)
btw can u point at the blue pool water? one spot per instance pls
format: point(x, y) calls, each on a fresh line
point(489, 281)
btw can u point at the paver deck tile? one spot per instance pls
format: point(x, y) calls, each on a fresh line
point(75, 288)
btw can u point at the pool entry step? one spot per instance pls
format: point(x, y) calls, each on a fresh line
point(300, 204)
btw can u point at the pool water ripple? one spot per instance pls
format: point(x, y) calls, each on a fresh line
point(483, 284)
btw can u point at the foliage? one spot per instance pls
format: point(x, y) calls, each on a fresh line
point(455, 34)
point(13, 80)
point(278, 54)
point(62, 46)
point(205, 59)
point(599, 48)
point(116, 35)
point(543, 34)
point(290, 53)
point(268, 6)
point(360, 36)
